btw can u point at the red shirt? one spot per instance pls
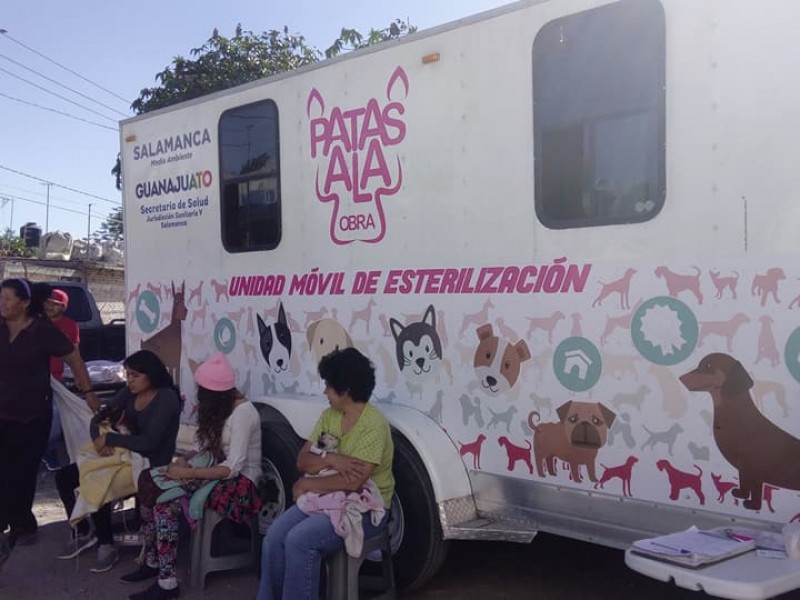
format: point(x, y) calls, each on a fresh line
point(70, 329)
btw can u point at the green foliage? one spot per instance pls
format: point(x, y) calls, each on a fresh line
point(351, 39)
point(111, 229)
point(12, 245)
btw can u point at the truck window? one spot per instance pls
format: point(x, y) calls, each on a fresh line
point(599, 116)
point(78, 308)
point(250, 177)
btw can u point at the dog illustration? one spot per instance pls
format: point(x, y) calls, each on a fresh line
point(674, 400)
point(767, 347)
point(547, 324)
point(365, 314)
point(577, 330)
point(482, 316)
point(698, 452)
point(236, 316)
point(156, 289)
point(384, 321)
point(435, 411)
point(199, 313)
point(543, 361)
point(762, 389)
point(417, 346)
point(249, 352)
point(621, 286)
point(134, 293)
point(315, 315)
point(502, 417)
point(325, 336)
point(622, 321)
point(516, 453)
point(635, 399)
point(196, 293)
point(622, 427)
point(726, 329)
point(720, 283)
point(623, 472)
point(667, 437)
point(167, 343)
point(723, 487)
point(767, 283)
point(497, 362)
point(442, 329)
point(753, 444)
point(678, 282)
point(619, 365)
point(268, 381)
point(541, 403)
point(473, 448)
point(679, 480)
point(220, 289)
point(581, 431)
point(471, 409)
point(505, 330)
point(768, 489)
point(275, 341)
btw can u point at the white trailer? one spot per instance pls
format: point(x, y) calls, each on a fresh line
point(564, 231)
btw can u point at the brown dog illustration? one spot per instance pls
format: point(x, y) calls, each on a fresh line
point(325, 336)
point(623, 471)
point(581, 431)
point(516, 453)
point(679, 480)
point(761, 451)
point(498, 362)
point(166, 343)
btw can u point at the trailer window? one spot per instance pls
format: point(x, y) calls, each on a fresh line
point(250, 177)
point(599, 117)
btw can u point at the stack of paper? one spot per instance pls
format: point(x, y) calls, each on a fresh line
point(693, 548)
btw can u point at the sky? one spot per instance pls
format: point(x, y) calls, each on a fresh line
point(116, 48)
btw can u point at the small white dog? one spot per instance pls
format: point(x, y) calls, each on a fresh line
point(327, 442)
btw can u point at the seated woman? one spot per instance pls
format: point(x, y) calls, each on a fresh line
point(229, 430)
point(151, 411)
point(296, 542)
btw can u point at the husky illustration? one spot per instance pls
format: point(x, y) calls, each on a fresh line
point(418, 346)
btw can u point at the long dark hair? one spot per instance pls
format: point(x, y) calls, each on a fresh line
point(213, 408)
point(37, 293)
point(147, 363)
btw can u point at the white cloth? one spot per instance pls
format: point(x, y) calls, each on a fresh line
point(75, 416)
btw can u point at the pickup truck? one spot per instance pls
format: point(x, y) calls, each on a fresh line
point(99, 341)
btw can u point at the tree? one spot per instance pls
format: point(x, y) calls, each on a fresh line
point(111, 229)
point(224, 62)
point(12, 245)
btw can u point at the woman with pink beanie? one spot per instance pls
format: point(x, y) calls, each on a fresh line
point(229, 434)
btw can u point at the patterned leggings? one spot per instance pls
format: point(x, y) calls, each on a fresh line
point(237, 499)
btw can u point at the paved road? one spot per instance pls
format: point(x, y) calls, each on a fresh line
point(550, 568)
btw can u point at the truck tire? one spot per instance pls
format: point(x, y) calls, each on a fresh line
point(279, 448)
point(418, 549)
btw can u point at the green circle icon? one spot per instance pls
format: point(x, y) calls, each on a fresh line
point(225, 335)
point(148, 311)
point(577, 364)
point(664, 330)
point(791, 354)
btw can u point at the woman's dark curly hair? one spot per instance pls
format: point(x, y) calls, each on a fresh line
point(147, 363)
point(213, 408)
point(350, 371)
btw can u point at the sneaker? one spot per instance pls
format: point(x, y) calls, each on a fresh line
point(143, 573)
point(107, 557)
point(156, 592)
point(78, 544)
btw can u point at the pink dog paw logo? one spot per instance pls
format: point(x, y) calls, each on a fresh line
point(355, 169)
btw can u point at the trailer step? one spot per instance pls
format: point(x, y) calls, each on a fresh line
point(489, 529)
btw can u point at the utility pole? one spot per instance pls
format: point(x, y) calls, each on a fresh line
point(89, 223)
point(47, 213)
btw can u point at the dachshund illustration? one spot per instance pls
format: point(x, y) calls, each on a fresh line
point(473, 448)
point(754, 445)
point(623, 472)
point(516, 453)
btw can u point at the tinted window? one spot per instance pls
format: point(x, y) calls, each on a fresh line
point(78, 308)
point(598, 89)
point(250, 177)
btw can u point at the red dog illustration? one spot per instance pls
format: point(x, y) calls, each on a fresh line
point(679, 480)
point(473, 448)
point(516, 453)
point(623, 471)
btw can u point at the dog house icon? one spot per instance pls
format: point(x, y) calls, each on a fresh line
point(576, 363)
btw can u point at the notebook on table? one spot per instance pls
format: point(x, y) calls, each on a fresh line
point(693, 548)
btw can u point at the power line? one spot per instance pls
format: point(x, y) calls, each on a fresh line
point(61, 208)
point(44, 89)
point(59, 112)
point(10, 170)
point(47, 58)
point(66, 87)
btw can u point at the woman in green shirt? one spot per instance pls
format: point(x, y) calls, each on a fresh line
point(296, 543)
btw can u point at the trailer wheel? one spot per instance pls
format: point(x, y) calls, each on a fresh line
point(279, 449)
point(415, 531)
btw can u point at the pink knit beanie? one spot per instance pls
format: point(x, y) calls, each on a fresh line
point(216, 374)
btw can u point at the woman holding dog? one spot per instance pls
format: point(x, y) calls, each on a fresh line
point(27, 342)
point(296, 543)
point(229, 444)
point(150, 408)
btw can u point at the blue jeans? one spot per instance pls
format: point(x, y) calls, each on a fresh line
point(293, 550)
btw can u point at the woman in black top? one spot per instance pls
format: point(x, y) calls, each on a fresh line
point(151, 409)
point(27, 341)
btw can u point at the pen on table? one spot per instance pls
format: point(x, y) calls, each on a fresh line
point(672, 548)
